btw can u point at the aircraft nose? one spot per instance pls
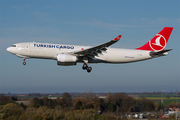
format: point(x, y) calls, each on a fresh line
point(8, 49)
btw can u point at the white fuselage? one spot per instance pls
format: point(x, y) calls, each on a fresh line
point(50, 51)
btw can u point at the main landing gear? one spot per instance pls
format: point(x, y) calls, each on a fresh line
point(85, 67)
point(24, 63)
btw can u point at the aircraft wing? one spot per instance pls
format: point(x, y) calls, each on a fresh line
point(94, 51)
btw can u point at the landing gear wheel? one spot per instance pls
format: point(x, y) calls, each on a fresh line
point(84, 66)
point(24, 63)
point(89, 69)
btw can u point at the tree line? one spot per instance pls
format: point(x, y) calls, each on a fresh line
point(86, 106)
point(119, 102)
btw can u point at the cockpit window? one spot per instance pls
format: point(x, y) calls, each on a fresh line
point(13, 45)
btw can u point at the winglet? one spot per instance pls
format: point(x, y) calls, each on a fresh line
point(117, 38)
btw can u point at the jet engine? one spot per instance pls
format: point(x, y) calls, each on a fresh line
point(66, 59)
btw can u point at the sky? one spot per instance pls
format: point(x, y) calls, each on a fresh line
point(88, 22)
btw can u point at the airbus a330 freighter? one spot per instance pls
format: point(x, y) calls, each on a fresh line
point(67, 55)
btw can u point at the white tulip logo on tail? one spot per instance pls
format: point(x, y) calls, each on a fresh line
point(158, 43)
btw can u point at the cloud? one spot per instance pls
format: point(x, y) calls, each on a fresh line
point(21, 7)
point(17, 7)
point(159, 20)
point(41, 16)
point(33, 33)
point(52, 6)
point(167, 20)
point(103, 24)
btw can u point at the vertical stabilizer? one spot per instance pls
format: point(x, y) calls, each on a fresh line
point(159, 41)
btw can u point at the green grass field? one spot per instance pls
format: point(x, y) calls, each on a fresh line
point(158, 95)
point(166, 100)
point(153, 98)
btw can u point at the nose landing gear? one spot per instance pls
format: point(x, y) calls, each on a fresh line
point(24, 63)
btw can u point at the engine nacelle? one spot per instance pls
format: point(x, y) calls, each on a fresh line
point(66, 59)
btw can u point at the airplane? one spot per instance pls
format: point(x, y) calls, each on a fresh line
point(67, 55)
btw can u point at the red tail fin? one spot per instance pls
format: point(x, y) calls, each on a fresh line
point(159, 41)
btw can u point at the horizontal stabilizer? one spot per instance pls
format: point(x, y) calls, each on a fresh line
point(160, 53)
